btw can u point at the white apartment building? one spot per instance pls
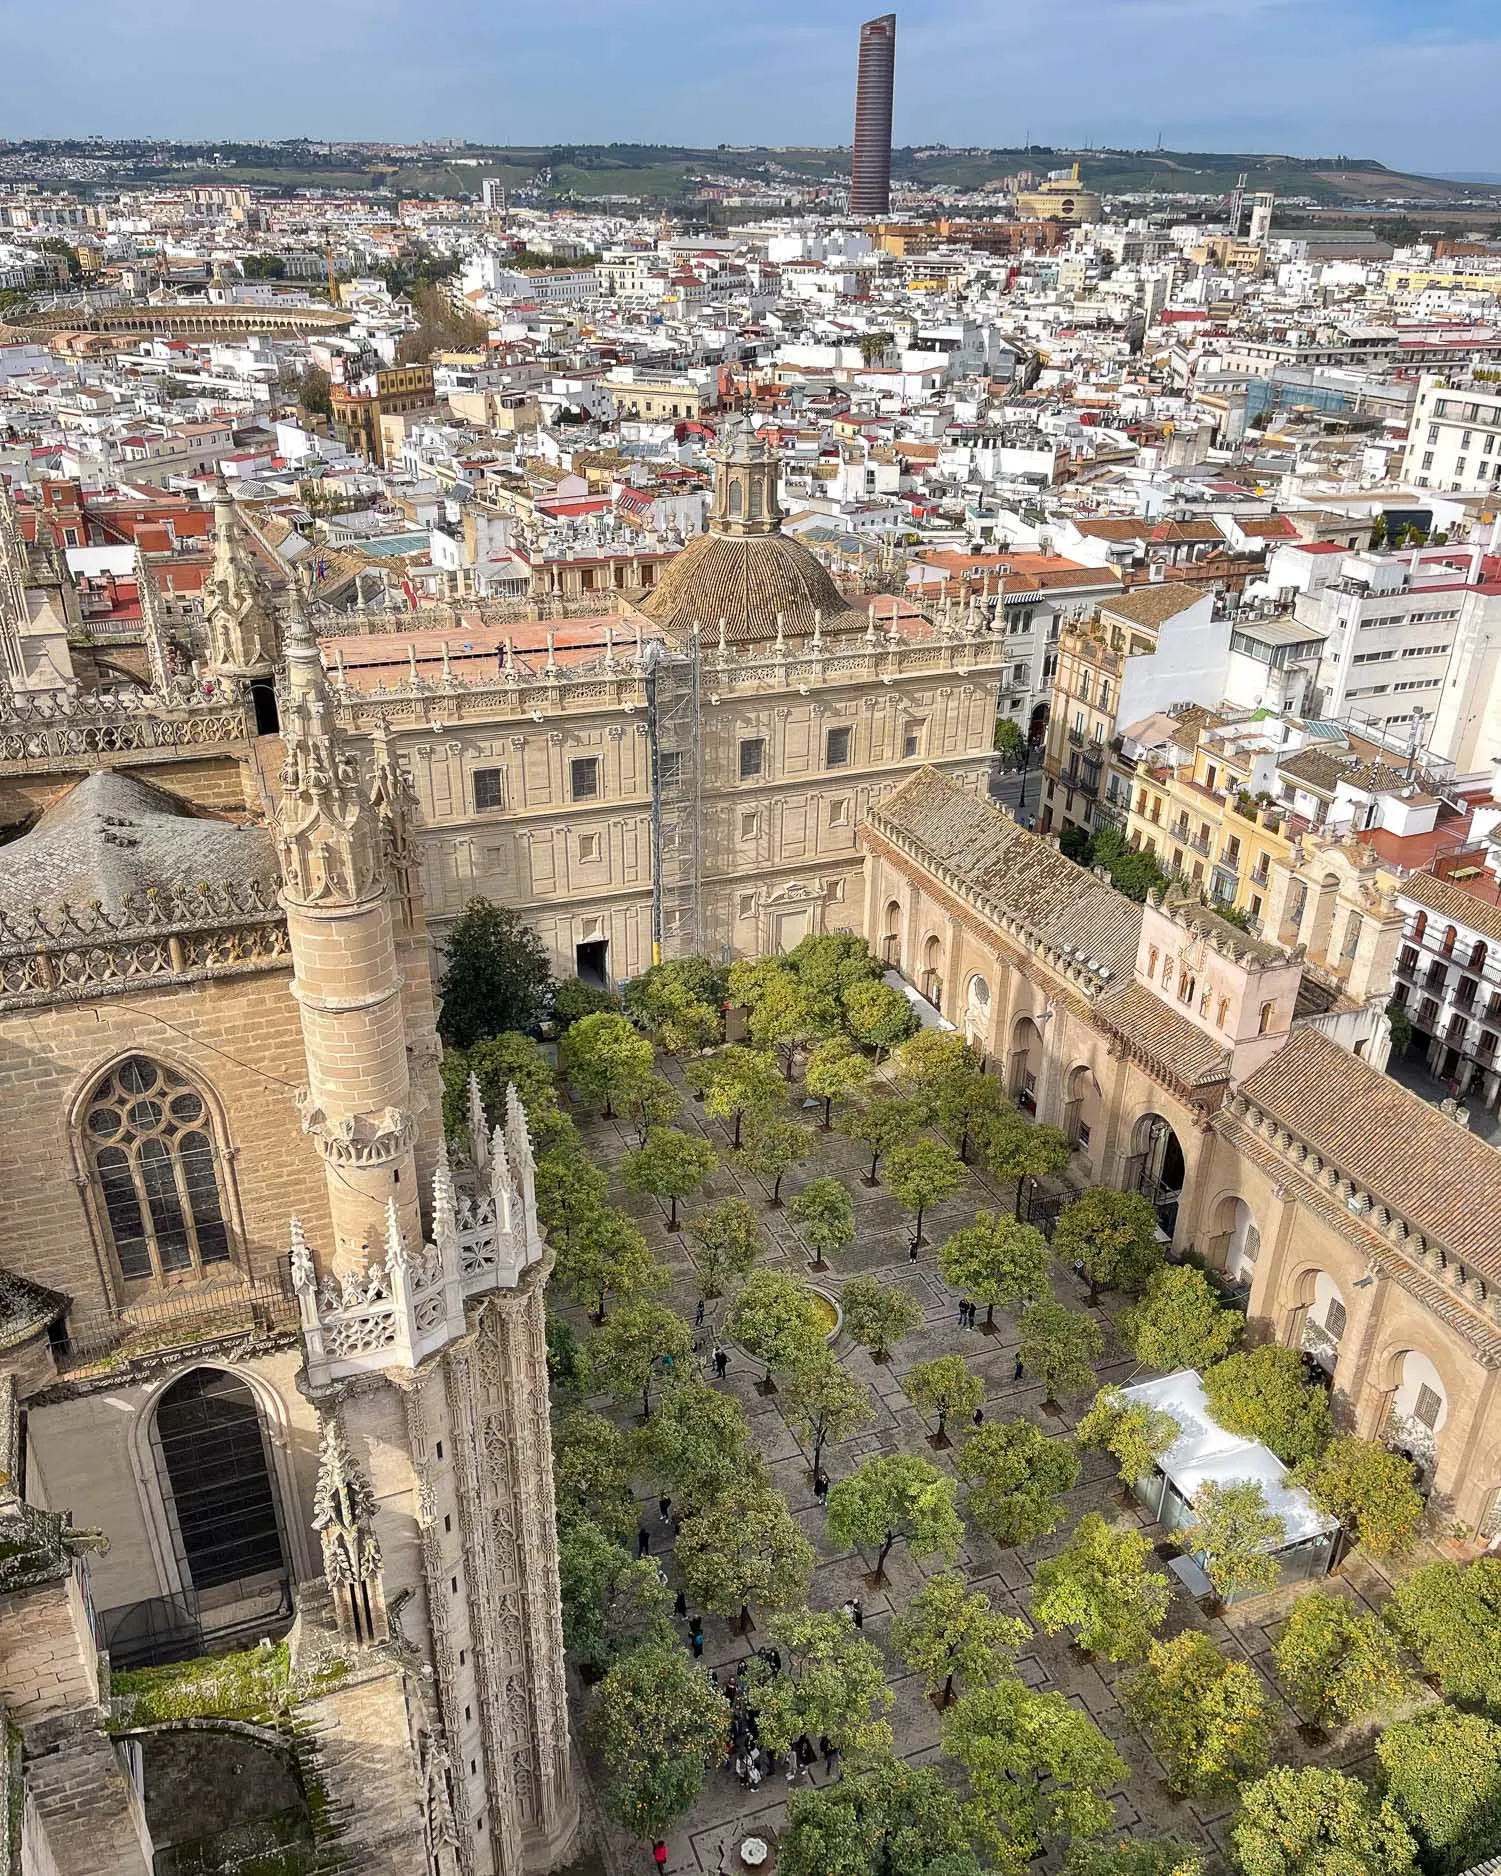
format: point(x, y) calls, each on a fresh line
point(1412, 642)
point(1455, 438)
point(1448, 973)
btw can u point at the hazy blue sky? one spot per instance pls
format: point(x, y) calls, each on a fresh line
point(1412, 82)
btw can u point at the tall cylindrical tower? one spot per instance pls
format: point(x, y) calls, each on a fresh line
point(870, 166)
point(348, 977)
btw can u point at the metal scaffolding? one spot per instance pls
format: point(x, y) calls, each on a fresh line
point(674, 724)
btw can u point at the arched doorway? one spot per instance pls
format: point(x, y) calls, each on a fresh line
point(1234, 1240)
point(1157, 1168)
point(214, 1468)
point(1025, 1068)
point(931, 984)
point(977, 1012)
point(263, 700)
point(1037, 726)
point(1418, 1411)
point(891, 932)
point(1081, 1107)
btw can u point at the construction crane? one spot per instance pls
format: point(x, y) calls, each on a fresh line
point(333, 275)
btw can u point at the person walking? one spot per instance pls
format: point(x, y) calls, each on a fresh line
point(963, 1314)
point(857, 1613)
point(659, 1854)
point(979, 1416)
point(696, 1638)
point(1018, 1371)
point(643, 1542)
point(821, 1488)
point(664, 1510)
point(974, 1310)
point(912, 1252)
point(721, 1362)
point(680, 1605)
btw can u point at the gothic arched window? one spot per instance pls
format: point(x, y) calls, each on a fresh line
point(150, 1143)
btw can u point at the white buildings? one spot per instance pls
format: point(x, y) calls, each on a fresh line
point(1455, 439)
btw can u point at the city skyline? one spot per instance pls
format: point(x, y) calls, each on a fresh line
point(1343, 76)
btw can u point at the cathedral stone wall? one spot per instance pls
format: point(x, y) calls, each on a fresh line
point(237, 1037)
point(92, 1448)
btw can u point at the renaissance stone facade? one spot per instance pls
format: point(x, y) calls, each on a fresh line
point(1198, 1065)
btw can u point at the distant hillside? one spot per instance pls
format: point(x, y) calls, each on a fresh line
point(673, 174)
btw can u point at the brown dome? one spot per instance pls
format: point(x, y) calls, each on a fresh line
point(748, 580)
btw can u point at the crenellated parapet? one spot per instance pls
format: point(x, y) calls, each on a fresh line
point(409, 1302)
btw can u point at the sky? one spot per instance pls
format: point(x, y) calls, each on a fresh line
point(1412, 83)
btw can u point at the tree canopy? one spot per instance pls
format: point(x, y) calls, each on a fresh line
point(922, 1173)
point(736, 1083)
point(1135, 1434)
point(825, 1215)
point(877, 1014)
point(1236, 1534)
point(670, 1166)
point(1449, 1614)
point(1370, 1489)
point(1112, 1237)
point(612, 1601)
point(946, 1386)
point(695, 1444)
point(607, 1058)
point(894, 1497)
point(1038, 1770)
point(605, 1255)
point(775, 1321)
point(745, 1548)
point(1100, 1587)
point(997, 1259)
point(835, 1071)
point(495, 975)
point(1206, 1717)
point(657, 1725)
point(822, 1401)
point(1442, 1772)
point(883, 1814)
point(832, 1685)
point(1016, 1477)
point(1060, 1346)
point(949, 1631)
point(642, 1342)
point(771, 1148)
point(1180, 1322)
point(877, 1315)
point(1263, 1394)
point(1318, 1822)
point(728, 1239)
point(1336, 1664)
point(882, 1124)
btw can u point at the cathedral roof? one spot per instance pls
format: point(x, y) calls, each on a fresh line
point(112, 835)
point(745, 570)
point(751, 581)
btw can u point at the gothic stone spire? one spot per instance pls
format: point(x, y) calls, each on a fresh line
point(344, 1518)
point(242, 635)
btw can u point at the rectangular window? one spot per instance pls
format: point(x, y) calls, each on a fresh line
point(912, 741)
point(1334, 1319)
point(752, 756)
point(1427, 1407)
point(835, 893)
point(489, 792)
point(588, 846)
point(583, 774)
point(669, 767)
point(750, 824)
point(839, 812)
point(837, 749)
point(747, 905)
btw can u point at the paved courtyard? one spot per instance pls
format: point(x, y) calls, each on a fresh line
point(726, 1812)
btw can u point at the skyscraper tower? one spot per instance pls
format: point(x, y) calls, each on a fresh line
point(870, 168)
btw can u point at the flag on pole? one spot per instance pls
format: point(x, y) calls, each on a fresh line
point(409, 592)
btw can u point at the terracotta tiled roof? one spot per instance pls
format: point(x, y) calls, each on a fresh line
point(1001, 861)
point(1170, 1040)
point(1438, 1176)
point(1152, 605)
point(1453, 903)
